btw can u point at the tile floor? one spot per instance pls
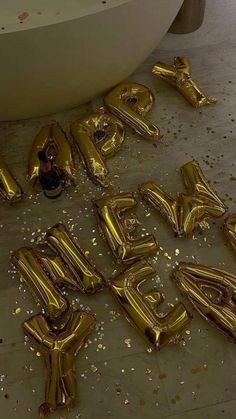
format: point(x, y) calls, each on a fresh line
point(195, 379)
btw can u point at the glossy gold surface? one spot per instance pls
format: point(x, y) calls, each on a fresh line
point(10, 190)
point(131, 102)
point(197, 184)
point(230, 230)
point(142, 308)
point(45, 274)
point(53, 140)
point(87, 278)
point(30, 265)
point(58, 351)
point(98, 135)
point(200, 284)
point(185, 213)
point(179, 76)
point(163, 202)
point(117, 228)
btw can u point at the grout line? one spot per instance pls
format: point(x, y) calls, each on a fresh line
point(164, 387)
point(199, 408)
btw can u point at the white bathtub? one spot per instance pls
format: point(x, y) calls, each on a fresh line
point(56, 54)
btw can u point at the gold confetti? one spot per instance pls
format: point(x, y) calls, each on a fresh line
point(126, 401)
point(22, 16)
point(177, 252)
point(196, 370)
point(128, 342)
point(16, 310)
point(176, 398)
point(93, 368)
point(148, 371)
point(204, 225)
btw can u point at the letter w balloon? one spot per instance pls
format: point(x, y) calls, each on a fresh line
point(45, 274)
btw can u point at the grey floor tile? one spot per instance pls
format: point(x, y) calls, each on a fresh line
point(197, 372)
point(17, 401)
point(129, 385)
point(219, 411)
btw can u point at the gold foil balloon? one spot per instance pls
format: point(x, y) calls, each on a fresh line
point(197, 184)
point(188, 211)
point(131, 102)
point(86, 278)
point(98, 136)
point(53, 140)
point(117, 228)
point(200, 284)
point(179, 76)
point(59, 351)
point(45, 274)
point(142, 308)
point(163, 202)
point(230, 230)
point(33, 270)
point(10, 190)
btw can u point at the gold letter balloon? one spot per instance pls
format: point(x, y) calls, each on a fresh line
point(142, 308)
point(53, 140)
point(85, 276)
point(188, 211)
point(230, 230)
point(197, 281)
point(179, 76)
point(59, 351)
point(35, 273)
point(117, 228)
point(98, 136)
point(131, 102)
point(10, 190)
point(45, 274)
